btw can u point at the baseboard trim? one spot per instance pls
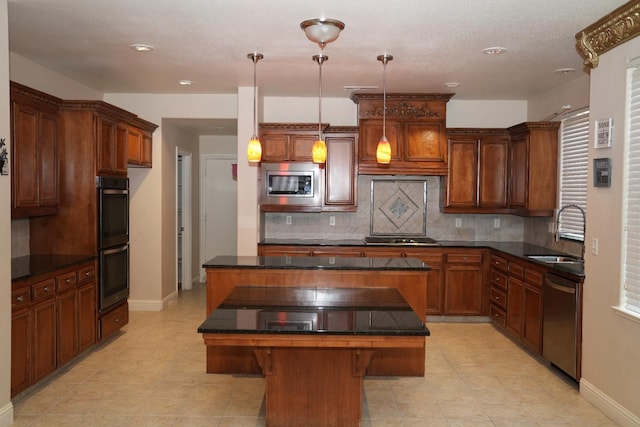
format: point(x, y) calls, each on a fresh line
point(612, 409)
point(145, 305)
point(6, 415)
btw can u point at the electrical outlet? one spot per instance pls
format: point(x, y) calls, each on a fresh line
point(458, 222)
point(496, 223)
point(332, 220)
point(287, 219)
point(594, 246)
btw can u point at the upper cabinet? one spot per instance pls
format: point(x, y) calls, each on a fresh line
point(478, 172)
point(288, 142)
point(34, 149)
point(533, 168)
point(415, 128)
point(111, 138)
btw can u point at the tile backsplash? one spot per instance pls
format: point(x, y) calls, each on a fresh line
point(357, 225)
point(19, 237)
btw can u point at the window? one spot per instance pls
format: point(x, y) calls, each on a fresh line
point(631, 209)
point(574, 151)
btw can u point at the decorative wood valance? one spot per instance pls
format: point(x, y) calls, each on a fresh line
point(612, 30)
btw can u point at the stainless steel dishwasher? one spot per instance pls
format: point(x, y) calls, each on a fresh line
point(560, 323)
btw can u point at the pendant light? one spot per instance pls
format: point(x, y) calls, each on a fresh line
point(322, 32)
point(383, 151)
point(254, 150)
point(319, 150)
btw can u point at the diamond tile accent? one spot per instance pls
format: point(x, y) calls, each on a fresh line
point(398, 207)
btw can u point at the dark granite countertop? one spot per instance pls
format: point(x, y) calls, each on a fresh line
point(34, 265)
point(315, 263)
point(337, 311)
point(516, 249)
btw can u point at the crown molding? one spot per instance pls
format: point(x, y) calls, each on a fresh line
point(612, 30)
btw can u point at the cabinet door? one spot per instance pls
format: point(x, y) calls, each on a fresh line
point(44, 338)
point(20, 350)
point(370, 133)
point(48, 160)
point(275, 147)
point(435, 281)
point(105, 146)
point(492, 173)
point(532, 322)
point(463, 290)
point(67, 326)
point(87, 327)
point(134, 144)
point(515, 295)
point(340, 173)
point(519, 172)
point(25, 157)
point(302, 147)
point(462, 180)
point(146, 152)
point(120, 151)
point(423, 143)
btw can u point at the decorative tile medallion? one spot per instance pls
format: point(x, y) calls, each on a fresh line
point(398, 207)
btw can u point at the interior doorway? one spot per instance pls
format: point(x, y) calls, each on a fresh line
point(219, 207)
point(183, 219)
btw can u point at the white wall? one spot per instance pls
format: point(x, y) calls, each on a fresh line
point(611, 343)
point(6, 408)
point(574, 93)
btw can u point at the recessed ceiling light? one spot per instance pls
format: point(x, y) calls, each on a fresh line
point(139, 47)
point(186, 82)
point(360, 87)
point(494, 50)
point(564, 70)
point(452, 84)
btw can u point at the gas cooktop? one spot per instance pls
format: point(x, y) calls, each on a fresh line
point(401, 240)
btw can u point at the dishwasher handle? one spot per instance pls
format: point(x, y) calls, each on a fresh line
point(565, 289)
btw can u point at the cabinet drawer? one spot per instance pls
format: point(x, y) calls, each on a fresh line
point(44, 289)
point(498, 315)
point(464, 258)
point(533, 277)
point(86, 273)
point(20, 298)
point(499, 263)
point(498, 297)
point(498, 278)
point(113, 321)
point(66, 281)
point(516, 269)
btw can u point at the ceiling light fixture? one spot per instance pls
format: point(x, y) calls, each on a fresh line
point(564, 70)
point(254, 150)
point(452, 84)
point(322, 32)
point(139, 47)
point(383, 151)
point(494, 50)
point(186, 82)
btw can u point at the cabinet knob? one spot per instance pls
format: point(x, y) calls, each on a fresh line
point(464, 258)
point(87, 274)
point(46, 289)
point(116, 320)
point(20, 298)
point(68, 280)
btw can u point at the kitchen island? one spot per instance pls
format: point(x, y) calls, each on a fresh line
point(314, 345)
point(407, 275)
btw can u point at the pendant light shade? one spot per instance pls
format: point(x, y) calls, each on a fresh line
point(319, 151)
point(254, 150)
point(383, 151)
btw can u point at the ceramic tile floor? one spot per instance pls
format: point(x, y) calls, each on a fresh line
point(153, 374)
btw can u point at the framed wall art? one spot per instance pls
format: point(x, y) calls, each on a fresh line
point(604, 133)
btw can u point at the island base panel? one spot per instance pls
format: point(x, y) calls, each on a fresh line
point(313, 386)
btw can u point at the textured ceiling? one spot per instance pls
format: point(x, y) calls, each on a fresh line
point(207, 41)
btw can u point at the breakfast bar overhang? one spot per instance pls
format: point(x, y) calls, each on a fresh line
point(407, 275)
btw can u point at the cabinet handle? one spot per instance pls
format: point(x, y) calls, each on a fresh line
point(46, 289)
point(464, 258)
point(68, 280)
point(497, 298)
point(86, 274)
point(116, 320)
point(20, 298)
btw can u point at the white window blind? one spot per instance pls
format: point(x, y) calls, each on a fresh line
point(631, 288)
point(574, 152)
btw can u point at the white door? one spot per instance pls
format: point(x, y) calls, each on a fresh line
point(183, 218)
point(219, 203)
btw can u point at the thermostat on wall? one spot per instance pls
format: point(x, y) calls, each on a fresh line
point(602, 172)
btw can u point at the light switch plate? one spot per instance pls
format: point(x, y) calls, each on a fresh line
point(458, 222)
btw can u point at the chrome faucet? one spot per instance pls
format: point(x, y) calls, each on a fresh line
point(584, 224)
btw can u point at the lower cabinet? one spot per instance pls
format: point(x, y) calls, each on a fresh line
point(464, 279)
point(53, 320)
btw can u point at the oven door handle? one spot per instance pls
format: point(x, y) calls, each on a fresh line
point(115, 250)
point(112, 191)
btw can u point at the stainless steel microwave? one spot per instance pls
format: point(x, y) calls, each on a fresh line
point(293, 184)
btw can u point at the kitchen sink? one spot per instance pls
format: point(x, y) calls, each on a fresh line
point(556, 259)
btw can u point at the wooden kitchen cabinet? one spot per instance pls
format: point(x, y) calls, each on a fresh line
point(498, 273)
point(288, 142)
point(34, 152)
point(53, 320)
point(416, 130)
point(341, 173)
point(478, 175)
point(112, 148)
point(465, 284)
point(139, 148)
point(533, 168)
point(435, 279)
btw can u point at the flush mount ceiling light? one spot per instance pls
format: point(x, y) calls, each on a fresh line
point(564, 70)
point(139, 47)
point(322, 31)
point(254, 150)
point(452, 84)
point(383, 150)
point(496, 50)
point(186, 82)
